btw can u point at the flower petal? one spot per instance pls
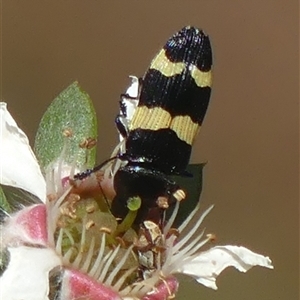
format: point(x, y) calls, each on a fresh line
point(18, 164)
point(26, 276)
point(76, 285)
point(28, 225)
point(209, 264)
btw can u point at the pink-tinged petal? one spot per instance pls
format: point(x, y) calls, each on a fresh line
point(18, 165)
point(165, 290)
point(77, 285)
point(26, 276)
point(209, 264)
point(29, 225)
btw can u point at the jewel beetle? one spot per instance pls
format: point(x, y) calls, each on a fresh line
point(173, 99)
point(170, 103)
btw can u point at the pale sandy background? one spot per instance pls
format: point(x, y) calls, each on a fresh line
point(250, 135)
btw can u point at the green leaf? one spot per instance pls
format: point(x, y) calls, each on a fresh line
point(4, 205)
point(72, 110)
point(4, 260)
point(13, 199)
point(192, 185)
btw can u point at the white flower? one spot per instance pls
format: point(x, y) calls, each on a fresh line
point(183, 256)
point(18, 165)
point(27, 274)
point(209, 264)
point(40, 247)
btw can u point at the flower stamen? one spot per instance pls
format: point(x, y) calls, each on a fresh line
point(88, 259)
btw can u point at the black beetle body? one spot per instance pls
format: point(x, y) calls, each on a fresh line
point(173, 100)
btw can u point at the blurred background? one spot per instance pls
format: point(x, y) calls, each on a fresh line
point(249, 137)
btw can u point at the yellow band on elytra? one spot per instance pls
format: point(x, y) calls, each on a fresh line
point(156, 118)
